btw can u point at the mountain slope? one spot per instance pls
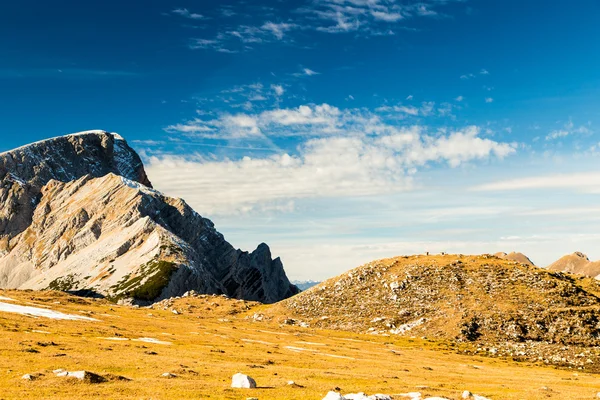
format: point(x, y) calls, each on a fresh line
point(118, 237)
point(576, 263)
point(465, 298)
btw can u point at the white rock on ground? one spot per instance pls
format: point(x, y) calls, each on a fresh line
point(28, 377)
point(85, 376)
point(168, 375)
point(356, 396)
point(334, 396)
point(241, 381)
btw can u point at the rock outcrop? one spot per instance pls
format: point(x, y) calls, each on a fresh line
point(577, 263)
point(82, 217)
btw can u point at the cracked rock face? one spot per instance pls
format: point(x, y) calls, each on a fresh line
point(24, 171)
point(80, 215)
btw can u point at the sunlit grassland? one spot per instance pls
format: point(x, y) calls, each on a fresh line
point(212, 338)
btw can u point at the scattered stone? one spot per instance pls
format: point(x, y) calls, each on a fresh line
point(251, 398)
point(241, 381)
point(169, 375)
point(29, 377)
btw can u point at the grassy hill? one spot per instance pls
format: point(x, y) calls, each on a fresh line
point(496, 306)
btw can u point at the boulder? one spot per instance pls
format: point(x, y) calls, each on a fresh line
point(241, 381)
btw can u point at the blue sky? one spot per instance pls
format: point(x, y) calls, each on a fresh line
point(337, 131)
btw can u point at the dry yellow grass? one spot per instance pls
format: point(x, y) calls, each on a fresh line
point(213, 338)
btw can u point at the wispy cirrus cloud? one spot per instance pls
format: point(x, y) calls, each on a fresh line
point(184, 12)
point(569, 129)
point(306, 72)
point(367, 17)
point(471, 75)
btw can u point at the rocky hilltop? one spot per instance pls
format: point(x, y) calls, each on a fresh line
point(577, 263)
point(80, 215)
point(514, 256)
point(511, 307)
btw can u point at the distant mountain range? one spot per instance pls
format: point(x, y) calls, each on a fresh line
point(79, 214)
point(303, 285)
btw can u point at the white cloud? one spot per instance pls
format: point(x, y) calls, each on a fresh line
point(307, 72)
point(184, 12)
point(387, 16)
point(459, 98)
point(583, 181)
point(304, 115)
point(353, 153)
point(228, 126)
point(278, 29)
point(484, 72)
point(489, 100)
point(278, 89)
point(410, 110)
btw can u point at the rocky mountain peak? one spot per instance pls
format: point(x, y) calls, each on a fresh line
point(577, 263)
point(81, 215)
point(581, 255)
point(25, 170)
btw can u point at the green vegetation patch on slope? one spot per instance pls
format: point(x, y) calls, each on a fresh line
point(148, 284)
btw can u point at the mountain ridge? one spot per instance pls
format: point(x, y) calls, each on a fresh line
point(94, 224)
